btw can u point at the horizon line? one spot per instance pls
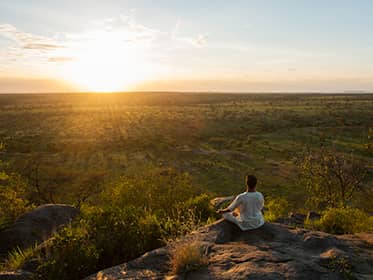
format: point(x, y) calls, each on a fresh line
point(347, 92)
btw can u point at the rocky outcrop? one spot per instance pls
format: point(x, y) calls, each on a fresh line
point(36, 226)
point(273, 251)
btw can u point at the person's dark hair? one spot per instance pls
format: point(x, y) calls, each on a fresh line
point(251, 181)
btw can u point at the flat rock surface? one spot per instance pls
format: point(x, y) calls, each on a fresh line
point(274, 251)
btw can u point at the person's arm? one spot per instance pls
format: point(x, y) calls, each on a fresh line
point(231, 207)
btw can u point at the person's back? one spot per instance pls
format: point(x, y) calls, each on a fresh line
point(249, 205)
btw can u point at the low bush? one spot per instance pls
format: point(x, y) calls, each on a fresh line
point(276, 208)
point(158, 190)
point(13, 200)
point(201, 207)
point(69, 255)
point(343, 221)
point(102, 238)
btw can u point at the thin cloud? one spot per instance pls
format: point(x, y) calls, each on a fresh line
point(27, 40)
point(61, 59)
point(41, 46)
point(195, 41)
point(126, 28)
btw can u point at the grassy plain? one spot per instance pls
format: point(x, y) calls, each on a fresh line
point(216, 138)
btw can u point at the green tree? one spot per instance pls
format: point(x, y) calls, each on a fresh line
point(331, 178)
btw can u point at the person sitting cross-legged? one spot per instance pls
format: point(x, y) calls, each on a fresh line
point(246, 209)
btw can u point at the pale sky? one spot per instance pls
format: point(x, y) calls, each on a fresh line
point(237, 46)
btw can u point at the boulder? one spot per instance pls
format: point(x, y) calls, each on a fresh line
point(313, 216)
point(294, 219)
point(36, 226)
point(298, 217)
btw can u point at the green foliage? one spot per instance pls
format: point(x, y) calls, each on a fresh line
point(276, 208)
point(343, 221)
point(13, 201)
point(152, 232)
point(130, 231)
point(17, 258)
point(102, 238)
point(183, 222)
point(164, 193)
point(331, 178)
point(188, 216)
point(69, 255)
point(201, 207)
point(158, 190)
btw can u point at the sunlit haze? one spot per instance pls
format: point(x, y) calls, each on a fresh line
point(232, 46)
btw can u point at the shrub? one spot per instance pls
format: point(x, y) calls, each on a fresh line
point(188, 216)
point(276, 208)
point(343, 221)
point(69, 255)
point(188, 257)
point(167, 195)
point(116, 233)
point(182, 222)
point(104, 237)
point(12, 198)
point(152, 233)
point(201, 207)
point(157, 190)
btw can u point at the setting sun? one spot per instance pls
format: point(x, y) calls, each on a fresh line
point(106, 64)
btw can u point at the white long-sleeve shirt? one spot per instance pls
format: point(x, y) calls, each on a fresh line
point(249, 205)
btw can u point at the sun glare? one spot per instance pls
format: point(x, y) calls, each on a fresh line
point(106, 64)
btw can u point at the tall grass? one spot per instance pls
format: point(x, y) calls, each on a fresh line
point(188, 257)
point(18, 258)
